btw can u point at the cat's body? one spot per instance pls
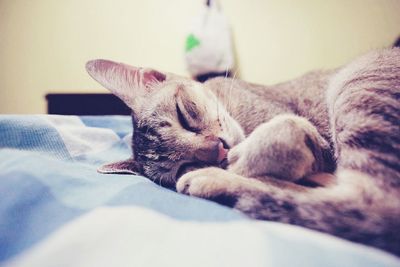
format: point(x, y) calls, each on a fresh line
point(345, 121)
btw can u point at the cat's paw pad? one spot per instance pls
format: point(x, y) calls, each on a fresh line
point(204, 183)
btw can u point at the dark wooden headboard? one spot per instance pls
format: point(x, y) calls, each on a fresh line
point(397, 43)
point(85, 104)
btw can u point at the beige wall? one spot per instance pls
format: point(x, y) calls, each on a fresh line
point(44, 44)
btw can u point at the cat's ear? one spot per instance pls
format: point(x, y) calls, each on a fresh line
point(128, 166)
point(127, 82)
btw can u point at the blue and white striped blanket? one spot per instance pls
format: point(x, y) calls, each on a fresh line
point(56, 210)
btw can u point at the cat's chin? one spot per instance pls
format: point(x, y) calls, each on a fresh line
point(192, 166)
point(188, 167)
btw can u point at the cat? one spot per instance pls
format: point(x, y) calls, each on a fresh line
point(321, 151)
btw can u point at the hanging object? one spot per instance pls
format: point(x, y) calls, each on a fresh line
point(208, 48)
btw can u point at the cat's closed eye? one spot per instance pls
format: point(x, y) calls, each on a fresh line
point(184, 122)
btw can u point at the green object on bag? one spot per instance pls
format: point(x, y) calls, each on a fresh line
point(191, 42)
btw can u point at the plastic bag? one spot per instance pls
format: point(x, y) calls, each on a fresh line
point(208, 47)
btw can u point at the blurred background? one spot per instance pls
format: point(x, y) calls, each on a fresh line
point(44, 44)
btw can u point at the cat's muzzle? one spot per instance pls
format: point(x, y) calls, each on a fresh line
point(213, 153)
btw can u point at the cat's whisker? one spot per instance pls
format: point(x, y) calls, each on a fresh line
point(229, 98)
point(219, 91)
point(225, 80)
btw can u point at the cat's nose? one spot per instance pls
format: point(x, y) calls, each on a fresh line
point(213, 151)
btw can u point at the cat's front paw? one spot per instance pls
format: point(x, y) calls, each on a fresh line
point(210, 183)
point(202, 182)
point(288, 147)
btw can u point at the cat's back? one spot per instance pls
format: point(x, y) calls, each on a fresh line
point(252, 104)
point(363, 99)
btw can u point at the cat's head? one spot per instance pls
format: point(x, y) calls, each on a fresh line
point(178, 124)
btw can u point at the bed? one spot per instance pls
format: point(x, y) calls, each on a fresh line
point(56, 210)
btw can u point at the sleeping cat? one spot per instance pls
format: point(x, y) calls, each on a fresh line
point(321, 151)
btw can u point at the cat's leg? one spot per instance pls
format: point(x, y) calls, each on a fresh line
point(348, 210)
point(242, 193)
point(287, 147)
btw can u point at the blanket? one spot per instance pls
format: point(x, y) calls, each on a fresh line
point(56, 210)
